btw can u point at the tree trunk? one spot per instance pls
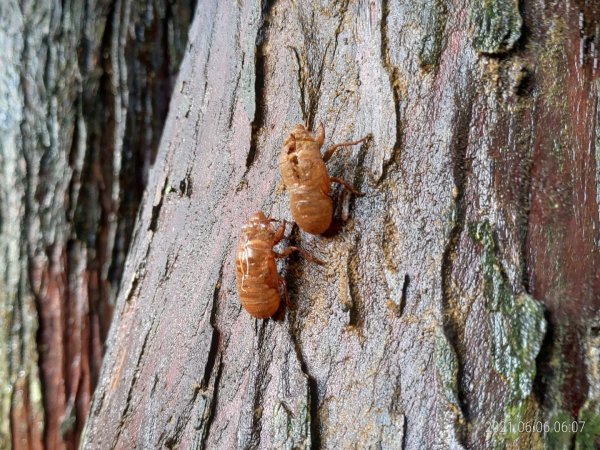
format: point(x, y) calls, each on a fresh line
point(84, 91)
point(459, 305)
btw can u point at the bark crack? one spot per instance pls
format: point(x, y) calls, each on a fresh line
point(313, 393)
point(311, 65)
point(338, 29)
point(260, 383)
point(394, 76)
point(213, 352)
point(128, 405)
point(356, 308)
point(404, 434)
point(208, 386)
point(293, 330)
point(402, 303)
point(210, 417)
point(234, 94)
point(156, 208)
point(186, 185)
point(260, 66)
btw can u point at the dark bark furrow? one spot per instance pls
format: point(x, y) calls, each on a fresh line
point(264, 355)
point(392, 72)
point(213, 405)
point(313, 394)
point(453, 324)
point(130, 392)
point(260, 73)
point(213, 352)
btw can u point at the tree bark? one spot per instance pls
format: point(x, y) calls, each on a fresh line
point(459, 303)
point(84, 91)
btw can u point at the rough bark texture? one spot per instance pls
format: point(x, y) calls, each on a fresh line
point(460, 294)
point(84, 91)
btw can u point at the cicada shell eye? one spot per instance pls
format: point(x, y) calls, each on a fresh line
point(290, 145)
point(258, 217)
point(299, 130)
point(257, 220)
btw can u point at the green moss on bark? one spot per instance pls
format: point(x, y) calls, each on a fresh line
point(517, 329)
point(434, 18)
point(497, 25)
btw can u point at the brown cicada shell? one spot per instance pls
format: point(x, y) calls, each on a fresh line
point(306, 177)
point(258, 281)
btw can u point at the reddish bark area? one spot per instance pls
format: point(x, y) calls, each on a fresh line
point(563, 257)
point(26, 423)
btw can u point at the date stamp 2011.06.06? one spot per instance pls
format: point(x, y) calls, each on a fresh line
point(536, 426)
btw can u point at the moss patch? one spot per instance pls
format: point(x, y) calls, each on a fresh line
point(447, 370)
point(517, 329)
point(291, 425)
point(516, 321)
point(497, 25)
point(434, 18)
point(589, 417)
